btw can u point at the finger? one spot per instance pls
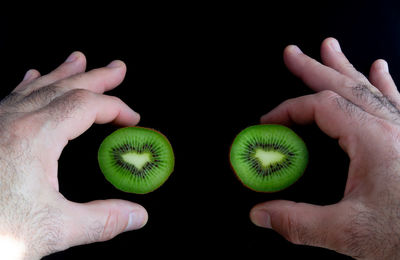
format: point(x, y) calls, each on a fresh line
point(97, 80)
point(320, 77)
point(30, 75)
point(334, 115)
point(300, 223)
point(74, 64)
point(101, 220)
point(333, 57)
point(380, 77)
point(314, 74)
point(74, 112)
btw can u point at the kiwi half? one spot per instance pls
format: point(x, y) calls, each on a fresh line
point(268, 158)
point(136, 159)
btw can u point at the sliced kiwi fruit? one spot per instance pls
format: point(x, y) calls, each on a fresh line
point(268, 158)
point(136, 159)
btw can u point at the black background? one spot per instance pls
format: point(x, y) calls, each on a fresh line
point(199, 73)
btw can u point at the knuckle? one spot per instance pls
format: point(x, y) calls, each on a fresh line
point(79, 94)
point(289, 102)
point(349, 83)
point(111, 227)
point(360, 77)
point(294, 231)
point(67, 104)
point(299, 231)
point(327, 95)
point(73, 98)
point(115, 99)
point(42, 96)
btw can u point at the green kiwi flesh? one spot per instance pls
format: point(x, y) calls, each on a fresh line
point(268, 158)
point(136, 159)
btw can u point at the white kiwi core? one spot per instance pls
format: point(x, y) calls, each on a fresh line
point(268, 157)
point(137, 159)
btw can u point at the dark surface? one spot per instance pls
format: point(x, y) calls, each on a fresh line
point(200, 74)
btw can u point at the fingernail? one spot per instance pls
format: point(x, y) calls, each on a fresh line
point(294, 49)
point(28, 75)
point(136, 220)
point(115, 64)
point(261, 218)
point(136, 115)
point(72, 57)
point(335, 45)
point(383, 65)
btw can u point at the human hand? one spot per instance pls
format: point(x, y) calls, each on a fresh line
point(364, 116)
point(37, 120)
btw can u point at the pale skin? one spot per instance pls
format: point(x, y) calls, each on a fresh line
point(363, 114)
point(38, 119)
point(44, 112)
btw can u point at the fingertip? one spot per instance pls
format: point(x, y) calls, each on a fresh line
point(31, 74)
point(292, 49)
point(327, 40)
point(117, 64)
point(380, 65)
point(118, 68)
point(332, 44)
point(260, 218)
point(291, 57)
point(261, 213)
point(135, 118)
point(75, 56)
point(138, 218)
point(278, 115)
point(127, 116)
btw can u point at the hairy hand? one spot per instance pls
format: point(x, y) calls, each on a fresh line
point(37, 120)
point(364, 116)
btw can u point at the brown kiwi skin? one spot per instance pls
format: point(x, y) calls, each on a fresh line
point(265, 192)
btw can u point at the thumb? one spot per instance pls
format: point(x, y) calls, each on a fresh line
point(300, 223)
point(101, 220)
